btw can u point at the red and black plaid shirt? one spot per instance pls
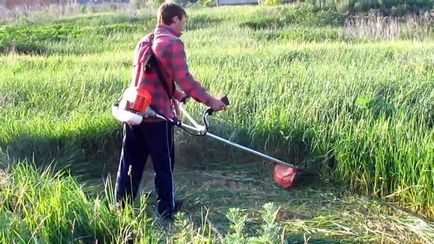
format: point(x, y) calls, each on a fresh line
point(169, 50)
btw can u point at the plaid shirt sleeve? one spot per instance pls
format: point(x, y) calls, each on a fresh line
point(182, 76)
point(179, 95)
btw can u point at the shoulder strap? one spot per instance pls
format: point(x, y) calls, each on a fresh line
point(156, 66)
point(141, 58)
point(145, 59)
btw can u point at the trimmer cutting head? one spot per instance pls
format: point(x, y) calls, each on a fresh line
point(284, 175)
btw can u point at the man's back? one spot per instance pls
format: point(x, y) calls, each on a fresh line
point(169, 51)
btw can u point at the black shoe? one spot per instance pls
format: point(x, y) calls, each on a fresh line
point(171, 216)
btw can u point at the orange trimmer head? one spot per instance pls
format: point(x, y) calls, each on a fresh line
point(284, 175)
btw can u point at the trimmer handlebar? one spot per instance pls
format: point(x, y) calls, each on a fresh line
point(224, 99)
point(210, 111)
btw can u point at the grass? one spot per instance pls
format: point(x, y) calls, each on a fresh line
point(225, 203)
point(358, 110)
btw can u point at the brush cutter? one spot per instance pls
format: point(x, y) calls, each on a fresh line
point(284, 173)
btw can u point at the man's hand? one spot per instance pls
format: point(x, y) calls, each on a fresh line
point(176, 107)
point(217, 105)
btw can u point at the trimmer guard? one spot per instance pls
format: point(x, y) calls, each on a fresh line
point(284, 175)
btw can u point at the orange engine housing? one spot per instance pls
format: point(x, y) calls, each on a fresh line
point(141, 102)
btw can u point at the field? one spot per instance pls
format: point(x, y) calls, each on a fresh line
point(349, 101)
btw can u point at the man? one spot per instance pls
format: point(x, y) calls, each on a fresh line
point(155, 137)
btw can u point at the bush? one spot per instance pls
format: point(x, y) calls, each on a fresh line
point(310, 15)
point(270, 2)
point(138, 4)
point(201, 21)
point(301, 14)
point(263, 23)
point(388, 3)
point(303, 34)
point(23, 48)
point(397, 11)
point(322, 3)
point(344, 6)
point(365, 5)
point(207, 3)
point(348, 6)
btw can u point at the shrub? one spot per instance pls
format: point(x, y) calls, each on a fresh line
point(310, 15)
point(270, 2)
point(349, 6)
point(344, 6)
point(301, 14)
point(206, 3)
point(201, 21)
point(302, 34)
point(388, 3)
point(263, 23)
point(365, 5)
point(137, 4)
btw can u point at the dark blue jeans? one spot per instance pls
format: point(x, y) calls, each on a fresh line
point(139, 142)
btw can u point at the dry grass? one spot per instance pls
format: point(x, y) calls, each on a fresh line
point(416, 26)
point(54, 11)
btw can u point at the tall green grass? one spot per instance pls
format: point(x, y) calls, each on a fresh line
point(358, 111)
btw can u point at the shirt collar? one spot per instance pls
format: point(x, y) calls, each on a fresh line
point(166, 28)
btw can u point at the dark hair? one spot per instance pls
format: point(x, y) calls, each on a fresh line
point(168, 10)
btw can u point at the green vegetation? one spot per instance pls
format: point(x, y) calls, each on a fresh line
point(83, 34)
point(306, 85)
point(229, 204)
point(390, 7)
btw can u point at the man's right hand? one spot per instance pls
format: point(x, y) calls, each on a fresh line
point(217, 104)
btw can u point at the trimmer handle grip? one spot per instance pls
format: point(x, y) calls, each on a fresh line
point(224, 99)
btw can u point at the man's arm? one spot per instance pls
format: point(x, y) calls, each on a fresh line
point(180, 96)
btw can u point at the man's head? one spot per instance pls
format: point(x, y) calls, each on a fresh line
point(173, 15)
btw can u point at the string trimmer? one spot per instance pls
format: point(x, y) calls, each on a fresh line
point(130, 112)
